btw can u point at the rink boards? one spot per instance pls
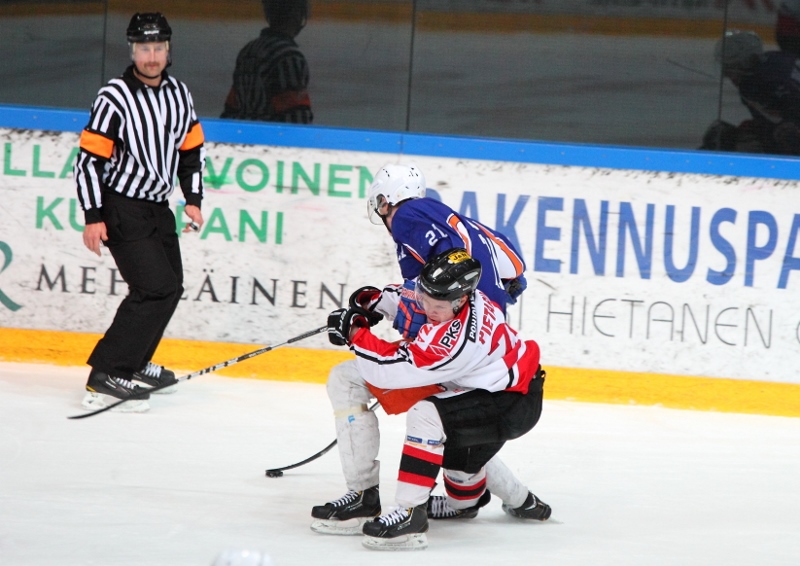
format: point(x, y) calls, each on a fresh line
point(649, 271)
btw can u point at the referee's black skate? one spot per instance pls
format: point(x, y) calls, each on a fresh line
point(103, 390)
point(155, 375)
point(403, 528)
point(439, 508)
point(346, 515)
point(533, 508)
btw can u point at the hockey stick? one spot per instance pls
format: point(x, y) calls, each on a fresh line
point(692, 70)
point(207, 370)
point(278, 472)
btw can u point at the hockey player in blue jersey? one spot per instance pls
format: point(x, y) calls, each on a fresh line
point(423, 227)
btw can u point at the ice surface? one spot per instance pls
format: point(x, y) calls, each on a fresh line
point(629, 485)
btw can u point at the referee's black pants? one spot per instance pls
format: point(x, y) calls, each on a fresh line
point(144, 244)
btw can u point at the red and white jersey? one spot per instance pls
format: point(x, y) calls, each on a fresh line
point(474, 350)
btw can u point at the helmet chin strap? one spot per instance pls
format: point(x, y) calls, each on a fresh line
point(384, 217)
point(457, 308)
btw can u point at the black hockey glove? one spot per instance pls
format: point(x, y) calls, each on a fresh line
point(341, 321)
point(366, 298)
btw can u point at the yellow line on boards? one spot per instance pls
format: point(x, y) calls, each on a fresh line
point(674, 391)
point(73, 348)
point(312, 366)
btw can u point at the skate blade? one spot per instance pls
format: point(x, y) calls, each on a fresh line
point(166, 390)
point(459, 517)
point(349, 527)
point(523, 518)
point(405, 542)
point(94, 401)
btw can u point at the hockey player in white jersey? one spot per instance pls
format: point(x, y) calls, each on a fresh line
point(481, 383)
point(421, 228)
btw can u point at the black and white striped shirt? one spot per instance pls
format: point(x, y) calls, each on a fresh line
point(139, 138)
point(270, 82)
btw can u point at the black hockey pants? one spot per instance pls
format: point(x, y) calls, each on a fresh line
point(479, 423)
point(143, 241)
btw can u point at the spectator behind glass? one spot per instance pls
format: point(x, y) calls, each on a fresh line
point(787, 27)
point(768, 87)
point(270, 81)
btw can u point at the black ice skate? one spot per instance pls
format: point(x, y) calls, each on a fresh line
point(533, 508)
point(155, 375)
point(401, 529)
point(439, 508)
point(346, 515)
point(104, 389)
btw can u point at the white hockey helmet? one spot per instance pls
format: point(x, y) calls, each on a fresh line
point(391, 185)
point(737, 50)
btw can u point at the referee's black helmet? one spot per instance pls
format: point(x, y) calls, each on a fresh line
point(147, 27)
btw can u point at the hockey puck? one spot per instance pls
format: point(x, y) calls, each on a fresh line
point(274, 473)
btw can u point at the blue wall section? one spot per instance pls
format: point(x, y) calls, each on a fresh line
point(318, 137)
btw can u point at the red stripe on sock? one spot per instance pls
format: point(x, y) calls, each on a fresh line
point(462, 492)
point(416, 479)
point(424, 455)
